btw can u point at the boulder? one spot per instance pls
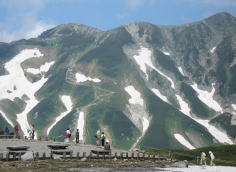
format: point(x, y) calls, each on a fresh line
point(28, 156)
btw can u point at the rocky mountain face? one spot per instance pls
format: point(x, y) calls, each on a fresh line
point(144, 85)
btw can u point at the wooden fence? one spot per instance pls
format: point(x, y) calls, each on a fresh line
point(80, 155)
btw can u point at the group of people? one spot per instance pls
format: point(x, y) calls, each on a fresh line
point(68, 135)
point(102, 141)
point(204, 157)
point(6, 131)
point(16, 132)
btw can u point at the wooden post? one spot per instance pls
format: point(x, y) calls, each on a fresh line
point(84, 154)
point(103, 155)
point(115, 154)
point(132, 155)
point(44, 155)
point(90, 155)
point(1, 156)
point(121, 155)
point(14, 156)
point(77, 155)
point(127, 155)
point(64, 155)
point(71, 154)
point(7, 156)
point(19, 156)
point(51, 155)
point(97, 155)
point(197, 159)
point(37, 156)
point(138, 155)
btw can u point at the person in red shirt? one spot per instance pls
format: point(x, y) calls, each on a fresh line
point(16, 129)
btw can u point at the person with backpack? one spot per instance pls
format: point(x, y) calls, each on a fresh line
point(103, 137)
point(211, 157)
point(77, 136)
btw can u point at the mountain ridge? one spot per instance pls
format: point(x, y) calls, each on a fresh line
point(143, 84)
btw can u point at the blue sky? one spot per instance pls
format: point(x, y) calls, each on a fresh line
point(28, 18)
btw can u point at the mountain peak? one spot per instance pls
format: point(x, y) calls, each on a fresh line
point(68, 29)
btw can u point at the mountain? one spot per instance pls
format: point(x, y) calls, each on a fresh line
point(144, 85)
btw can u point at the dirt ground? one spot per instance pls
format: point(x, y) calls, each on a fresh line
point(68, 164)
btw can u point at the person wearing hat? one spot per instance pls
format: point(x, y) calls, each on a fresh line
point(212, 157)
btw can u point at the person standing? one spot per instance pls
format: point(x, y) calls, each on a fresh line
point(16, 129)
point(212, 157)
point(98, 138)
point(203, 158)
point(6, 132)
point(77, 136)
point(103, 138)
point(68, 135)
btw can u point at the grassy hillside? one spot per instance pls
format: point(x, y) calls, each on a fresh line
point(225, 155)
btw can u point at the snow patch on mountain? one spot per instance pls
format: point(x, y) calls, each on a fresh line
point(181, 70)
point(234, 106)
point(135, 95)
point(184, 107)
point(158, 94)
point(144, 58)
point(6, 118)
point(207, 98)
point(166, 53)
point(138, 114)
point(68, 104)
point(19, 85)
point(80, 125)
point(183, 141)
point(213, 50)
point(44, 68)
point(82, 78)
point(215, 132)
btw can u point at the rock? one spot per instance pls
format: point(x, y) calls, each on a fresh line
point(180, 164)
point(56, 156)
point(28, 156)
point(115, 159)
point(125, 159)
point(84, 159)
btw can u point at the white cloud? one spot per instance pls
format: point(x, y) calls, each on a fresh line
point(21, 19)
point(138, 3)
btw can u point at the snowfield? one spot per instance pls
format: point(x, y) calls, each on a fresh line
point(17, 83)
point(183, 141)
point(137, 110)
point(82, 78)
point(195, 168)
point(68, 104)
point(213, 50)
point(158, 94)
point(207, 98)
point(166, 53)
point(215, 132)
point(6, 118)
point(234, 106)
point(144, 58)
point(135, 95)
point(43, 68)
point(80, 125)
point(181, 70)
